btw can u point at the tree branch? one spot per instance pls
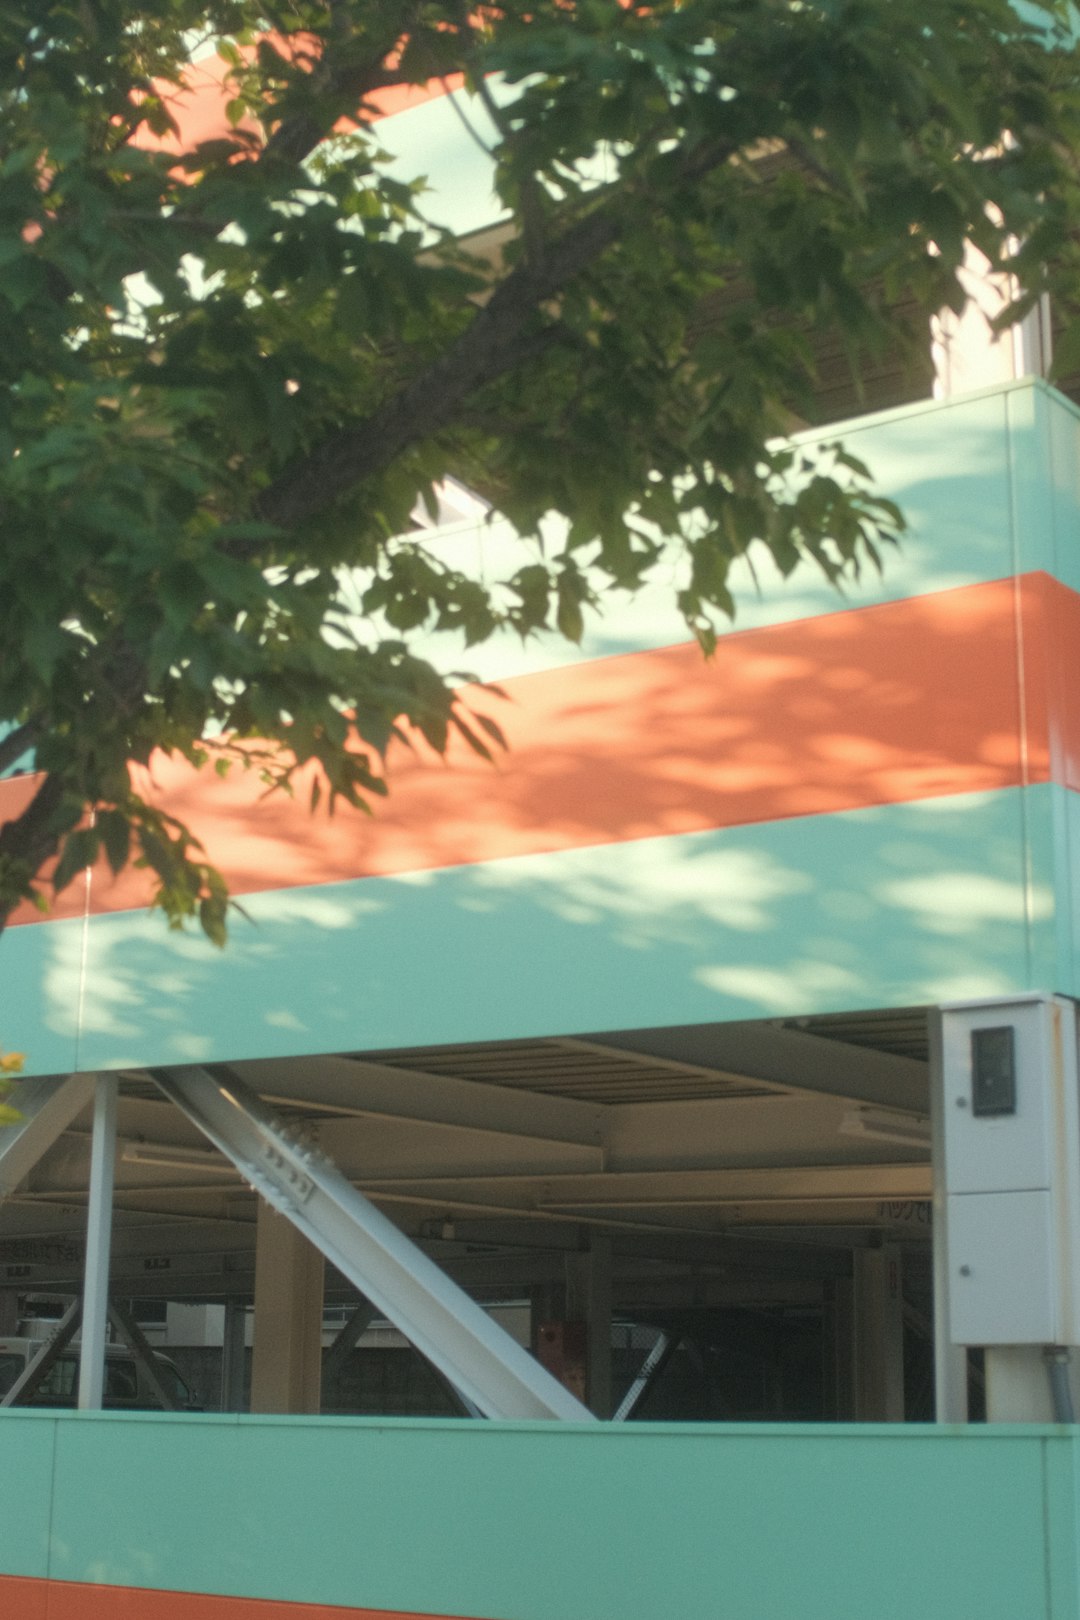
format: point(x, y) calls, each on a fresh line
point(500, 336)
point(297, 137)
point(340, 88)
point(294, 139)
point(485, 351)
point(531, 196)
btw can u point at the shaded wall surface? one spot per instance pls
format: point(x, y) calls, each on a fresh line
point(861, 801)
point(209, 1519)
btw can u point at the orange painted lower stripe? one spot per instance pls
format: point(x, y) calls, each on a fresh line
point(908, 700)
point(23, 1599)
point(198, 108)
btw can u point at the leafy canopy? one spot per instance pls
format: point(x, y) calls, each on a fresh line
point(228, 373)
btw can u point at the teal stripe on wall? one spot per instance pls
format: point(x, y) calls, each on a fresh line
point(817, 914)
point(26, 1485)
point(886, 907)
point(989, 484)
point(40, 977)
point(556, 1522)
point(1044, 455)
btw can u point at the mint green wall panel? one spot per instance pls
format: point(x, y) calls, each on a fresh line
point(1047, 900)
point(1058, 466)
point(1069, 878)
point(989, 484)
point(953, 466)
point(1051, 831)
point(885, 907)
point(26, 1480)
point(431, 141)
point(1061, 1465)
point(1030, 414)
point(946, 463)
point(815, 914)
point(557, 1522)
point(40, 981)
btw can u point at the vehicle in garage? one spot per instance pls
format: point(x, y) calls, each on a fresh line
point(127, 1384)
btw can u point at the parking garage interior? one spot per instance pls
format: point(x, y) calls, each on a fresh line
point(715, 1222)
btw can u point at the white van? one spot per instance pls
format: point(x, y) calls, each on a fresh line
point(127, 1388)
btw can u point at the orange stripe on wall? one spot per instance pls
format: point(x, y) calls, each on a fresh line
point(903, 701)
point(198, 108)
point(22, 1599)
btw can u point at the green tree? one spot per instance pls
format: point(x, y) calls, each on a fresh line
point(10, 1068)
point(227, 376)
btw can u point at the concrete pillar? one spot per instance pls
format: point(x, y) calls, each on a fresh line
point(9, 1314)
point(193, 1324)
point(838, 1347)
point(589, 1300)
point(287, 1359)
point(547, 1301)
point(966, 351)
point(233, 1347)
point(1017, 1385)
point(879, 1335)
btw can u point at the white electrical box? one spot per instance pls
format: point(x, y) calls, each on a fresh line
point(1012, 1171)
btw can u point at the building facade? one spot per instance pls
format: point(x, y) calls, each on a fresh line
point(647, 1027)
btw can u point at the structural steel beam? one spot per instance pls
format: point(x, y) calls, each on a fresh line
point(950, 1360)
point(48, 1105)
point(760, 1185)
point(52, 1347)
point(132, 1335)
point(339, 1352)
point(795, 1059)
point(374, 1090)
point(490, 1369)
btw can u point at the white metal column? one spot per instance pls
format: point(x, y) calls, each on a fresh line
point(482, 1361)
point(950, 1360)
point(95, 1312)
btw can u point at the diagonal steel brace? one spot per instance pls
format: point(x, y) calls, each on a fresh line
point(42, 1360)
point(47, 1105)
point(488, 1367)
